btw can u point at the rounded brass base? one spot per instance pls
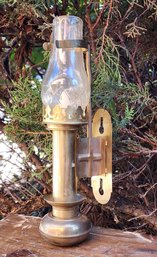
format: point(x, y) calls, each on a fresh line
point(65, 232)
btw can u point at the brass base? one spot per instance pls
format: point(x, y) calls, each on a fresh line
point(65, 232)
point(65, 226)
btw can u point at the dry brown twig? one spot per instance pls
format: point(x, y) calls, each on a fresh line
point(92, 27)
point(100, 55)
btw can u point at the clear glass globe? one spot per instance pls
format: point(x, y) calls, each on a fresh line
point(65, 83)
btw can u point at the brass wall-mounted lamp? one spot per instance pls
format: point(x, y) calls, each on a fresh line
point(66, 97)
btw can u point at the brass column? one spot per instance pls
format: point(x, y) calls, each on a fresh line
point(64, 165)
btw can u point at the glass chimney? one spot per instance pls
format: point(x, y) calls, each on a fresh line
point(66, 90)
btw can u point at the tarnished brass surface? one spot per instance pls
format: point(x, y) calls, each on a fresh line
point(77, 44)
point(102, 184)
point(102, 130)
point(91, 157)
point(94, 156)
point(60, 116)
point(65, 232)
point(64, 165)
point(85, 156)
point(65, 210)
point(78, 199)
point(65, 226)
point(65, 126)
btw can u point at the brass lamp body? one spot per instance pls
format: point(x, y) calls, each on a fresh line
point(74, 158)
point(65, 226)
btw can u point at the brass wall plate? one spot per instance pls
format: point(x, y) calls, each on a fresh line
point(94, 156)
point(102, 183)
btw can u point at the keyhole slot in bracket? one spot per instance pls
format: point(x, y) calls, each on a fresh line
point(101, 191)
point(101, 128)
